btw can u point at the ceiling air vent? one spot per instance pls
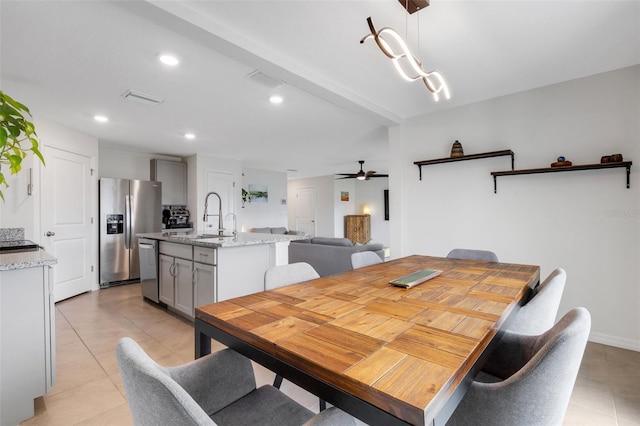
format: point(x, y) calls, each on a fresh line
point(265, 80)
point(141, 98)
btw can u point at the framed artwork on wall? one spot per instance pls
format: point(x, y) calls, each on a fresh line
point(344, 196)
point(258, 193)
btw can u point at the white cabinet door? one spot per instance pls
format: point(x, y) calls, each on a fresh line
point(183, 271)
point(204, 284)
point(165, 277)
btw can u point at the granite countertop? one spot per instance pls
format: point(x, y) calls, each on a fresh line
point(242, 239)
point(26, 259)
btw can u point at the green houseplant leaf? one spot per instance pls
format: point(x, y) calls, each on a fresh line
point(16, 129)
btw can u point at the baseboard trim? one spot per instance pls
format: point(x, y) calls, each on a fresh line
point(618, 342)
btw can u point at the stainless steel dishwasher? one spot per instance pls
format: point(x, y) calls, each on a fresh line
point(149, 268)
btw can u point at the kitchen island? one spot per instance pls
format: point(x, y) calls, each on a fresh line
point(27, 332)
point(198, 269)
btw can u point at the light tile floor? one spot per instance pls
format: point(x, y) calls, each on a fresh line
point(89, 390)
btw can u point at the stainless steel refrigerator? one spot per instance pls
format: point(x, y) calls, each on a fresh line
point(127, 207)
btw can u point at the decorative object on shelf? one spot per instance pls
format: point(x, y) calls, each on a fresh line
point(14, 130)
point(562, 162)
point(433, 80)
point(456, 150)
point(614, 158)
point(625, 164)
point(464, 158)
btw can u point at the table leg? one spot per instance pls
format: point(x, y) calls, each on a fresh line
point(202, 341)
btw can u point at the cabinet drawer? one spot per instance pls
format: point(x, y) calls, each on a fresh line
point(204, 255)
point(184, 251)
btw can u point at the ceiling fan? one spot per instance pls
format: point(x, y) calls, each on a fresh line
point(361, 175)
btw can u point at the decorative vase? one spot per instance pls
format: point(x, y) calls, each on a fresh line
point(456, 150)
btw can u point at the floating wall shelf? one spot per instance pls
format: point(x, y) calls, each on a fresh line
point(463, 158)
point(626, 164)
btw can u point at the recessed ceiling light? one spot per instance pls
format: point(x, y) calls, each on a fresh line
point(189, 136)
point(276, 99)
point(101, 118)
point(169, 60)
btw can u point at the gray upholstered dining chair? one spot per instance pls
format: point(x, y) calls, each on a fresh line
point(528, 379)
point(217, 389)
point(539, 313)
point(470, 254)
point(292, 273)
point(364, 258)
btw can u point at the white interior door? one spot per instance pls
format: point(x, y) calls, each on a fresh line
point(306, 211)
point(223, 184)
point(66, 220)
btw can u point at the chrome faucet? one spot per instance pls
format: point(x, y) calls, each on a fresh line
point(235, 223)
point(206, 204)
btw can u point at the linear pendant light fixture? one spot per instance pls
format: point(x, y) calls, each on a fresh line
point(412, 69)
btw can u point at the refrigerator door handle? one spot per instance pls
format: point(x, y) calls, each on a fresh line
point(127, 222)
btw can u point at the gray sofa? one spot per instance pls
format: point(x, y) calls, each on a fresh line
point(276, 230)
point(329, 256)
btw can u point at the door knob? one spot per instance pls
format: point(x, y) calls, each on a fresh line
point(50, 234)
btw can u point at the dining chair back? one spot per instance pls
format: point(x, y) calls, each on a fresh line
point(539, 313)
point(293, 273)
point(470, 254)
point(364, 258)
point(528, 380)
point(219, 388)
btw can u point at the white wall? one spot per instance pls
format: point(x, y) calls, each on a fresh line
point(197, 167)
point(325, 220)
point(343, 208)
point(371, 193)
point(21, 210)
point(586, 222)
point(331, 210)
point(121, 164)
point(272, 213)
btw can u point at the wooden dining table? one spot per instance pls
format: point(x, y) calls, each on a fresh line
point(386, 355)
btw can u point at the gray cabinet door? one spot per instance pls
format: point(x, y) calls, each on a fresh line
point(204, 284)
point(183, 271)
point(173, 175)
point(165, 277)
